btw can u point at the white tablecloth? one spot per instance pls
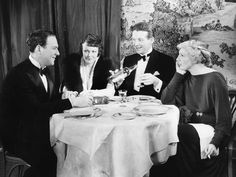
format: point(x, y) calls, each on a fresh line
point(99, 147)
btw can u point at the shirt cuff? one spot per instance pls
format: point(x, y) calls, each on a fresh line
point(157, 87)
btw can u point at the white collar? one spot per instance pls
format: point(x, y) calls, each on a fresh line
point(148, 52)
point(34, 62)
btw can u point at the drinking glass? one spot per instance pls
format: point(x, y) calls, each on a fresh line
point(122, 94)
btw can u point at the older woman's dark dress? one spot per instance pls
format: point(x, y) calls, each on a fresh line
point(208, 94)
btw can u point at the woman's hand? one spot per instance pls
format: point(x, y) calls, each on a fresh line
point(210, 150)
point(178, 70)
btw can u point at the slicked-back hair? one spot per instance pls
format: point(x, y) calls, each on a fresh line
point(92, 40)
point(143, 26)
point(38, 37)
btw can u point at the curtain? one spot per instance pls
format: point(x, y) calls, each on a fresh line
point(71, 20)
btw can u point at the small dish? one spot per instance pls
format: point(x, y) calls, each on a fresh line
point(124, 116)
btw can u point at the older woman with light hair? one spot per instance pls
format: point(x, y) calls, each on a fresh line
point(201, 94)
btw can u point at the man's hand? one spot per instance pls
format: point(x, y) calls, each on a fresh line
point(148, 79)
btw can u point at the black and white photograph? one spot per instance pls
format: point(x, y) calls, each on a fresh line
point(117, 88)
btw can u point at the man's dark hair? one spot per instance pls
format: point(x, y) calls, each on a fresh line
point(143, 26)
point(38, 37)
point(93, 40)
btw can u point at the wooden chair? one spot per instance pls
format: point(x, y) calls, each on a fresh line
point(232, 143)
point(2, 162)
point(11, 166)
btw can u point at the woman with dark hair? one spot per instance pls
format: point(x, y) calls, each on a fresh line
point(201, 93)
point(87, 71)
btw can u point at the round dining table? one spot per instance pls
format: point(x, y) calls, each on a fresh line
point(116, 140)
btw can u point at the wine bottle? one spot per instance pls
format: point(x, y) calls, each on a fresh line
point(122, 74)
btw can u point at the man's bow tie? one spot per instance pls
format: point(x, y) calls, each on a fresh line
point(144, 57)
point(42, 71)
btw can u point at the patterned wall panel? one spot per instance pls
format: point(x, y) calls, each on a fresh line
point(174, 21)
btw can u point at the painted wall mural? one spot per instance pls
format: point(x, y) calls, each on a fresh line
point(174, 21)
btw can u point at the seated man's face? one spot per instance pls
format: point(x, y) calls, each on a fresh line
point(49, 52)
point(90, 54)
point(141, 41)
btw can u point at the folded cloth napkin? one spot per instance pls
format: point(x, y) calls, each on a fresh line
point(156, 73)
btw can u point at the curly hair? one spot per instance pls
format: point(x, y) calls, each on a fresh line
point(38, 37)
point(198, 50)
point(92, 40)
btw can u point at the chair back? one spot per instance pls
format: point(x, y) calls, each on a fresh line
point(232, 100)
point(2, 161)
point(11, 166)
point(231, 149)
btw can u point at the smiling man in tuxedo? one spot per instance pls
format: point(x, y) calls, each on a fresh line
point(154, 69)
point(28, 100)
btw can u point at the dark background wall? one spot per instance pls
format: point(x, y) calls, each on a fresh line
point(71, 20)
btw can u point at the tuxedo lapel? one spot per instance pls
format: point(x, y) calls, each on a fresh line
point(33, 74)
point(152, 63)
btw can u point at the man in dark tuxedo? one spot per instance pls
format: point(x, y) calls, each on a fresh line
point(28, 100)
point(154, 69)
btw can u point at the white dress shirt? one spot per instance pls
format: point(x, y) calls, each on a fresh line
point(141, 67)
point(86, 72)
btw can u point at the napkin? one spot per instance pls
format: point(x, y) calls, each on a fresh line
point(156, 73)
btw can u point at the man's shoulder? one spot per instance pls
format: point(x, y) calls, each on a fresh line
point(16, 72)
point(131, 59)
point(20, 67)
point(161, 54)
point(135, 55)
point(163, 58)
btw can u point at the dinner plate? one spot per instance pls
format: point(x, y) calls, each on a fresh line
point(151, 109)
point(124, 116)
point(141, 98)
